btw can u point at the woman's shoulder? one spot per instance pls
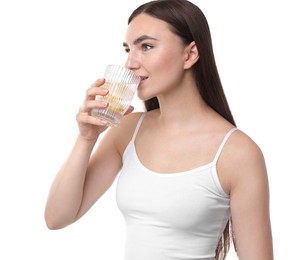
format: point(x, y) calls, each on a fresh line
point(242, 147)
point(242, 161)
point(131, 119)
point(123, 133)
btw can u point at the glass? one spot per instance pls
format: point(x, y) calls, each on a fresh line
point(122, 84)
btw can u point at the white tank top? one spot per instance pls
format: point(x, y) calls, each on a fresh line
point(175, 216)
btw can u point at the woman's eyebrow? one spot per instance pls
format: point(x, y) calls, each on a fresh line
point(140, 39)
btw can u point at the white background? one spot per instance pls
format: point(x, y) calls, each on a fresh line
point(50, 53)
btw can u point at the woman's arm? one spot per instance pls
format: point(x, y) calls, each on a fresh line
point(249, 194)
point(84, 176)
point(80, 182)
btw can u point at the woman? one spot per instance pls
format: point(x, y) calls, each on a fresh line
point(185, 170)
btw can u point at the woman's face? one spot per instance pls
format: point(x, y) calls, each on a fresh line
point(156, 54)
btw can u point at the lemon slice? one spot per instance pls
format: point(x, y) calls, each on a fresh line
point(116, 107)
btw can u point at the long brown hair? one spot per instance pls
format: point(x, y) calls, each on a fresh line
point(188, 22)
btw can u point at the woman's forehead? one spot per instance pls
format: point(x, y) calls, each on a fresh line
point(144, 24)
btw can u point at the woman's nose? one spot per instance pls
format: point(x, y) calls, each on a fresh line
point(132, 62)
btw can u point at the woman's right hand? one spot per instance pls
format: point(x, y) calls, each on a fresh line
point(91, 127)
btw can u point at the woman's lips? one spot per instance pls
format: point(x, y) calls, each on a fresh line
point(143, 78)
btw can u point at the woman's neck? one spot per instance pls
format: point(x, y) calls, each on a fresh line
point(183, 105)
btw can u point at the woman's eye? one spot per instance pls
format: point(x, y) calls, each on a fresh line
point(146, 47)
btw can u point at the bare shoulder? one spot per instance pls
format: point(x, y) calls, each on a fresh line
point(241, 162)
point(123, 133)
point(244, 149)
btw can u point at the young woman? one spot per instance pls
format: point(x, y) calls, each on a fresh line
point(185, 171)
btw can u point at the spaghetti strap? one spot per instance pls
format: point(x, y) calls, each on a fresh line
point(223, 143)
point(138, 126)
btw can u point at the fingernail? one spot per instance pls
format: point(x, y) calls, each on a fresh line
point(104, 122)
point(104, 90)
point(103, 103)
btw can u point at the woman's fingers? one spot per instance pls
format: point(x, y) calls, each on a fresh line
point(96, 89)
point(90, 102)
point(98, 83)
point(86, 118)
point(130, 110)
point(88, 105)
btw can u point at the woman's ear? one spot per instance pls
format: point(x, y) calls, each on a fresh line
point(191, 55)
